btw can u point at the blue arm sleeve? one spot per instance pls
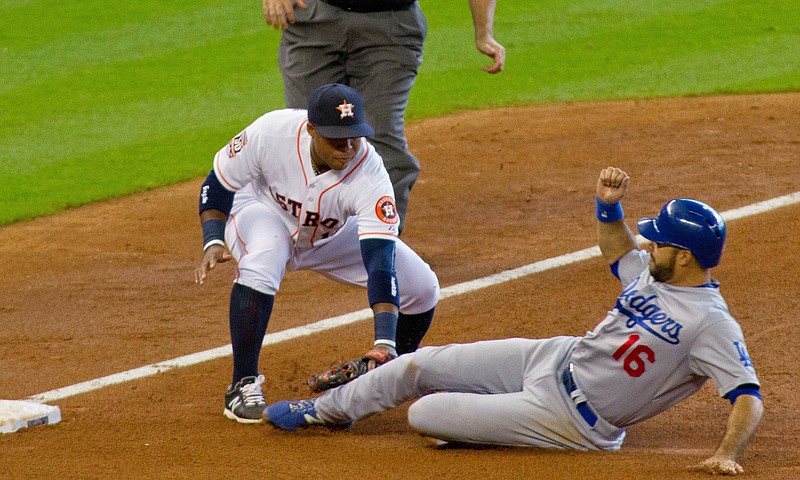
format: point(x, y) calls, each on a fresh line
point(378, 256)
point(615, 269)
point(213, 196)
point(746, 389)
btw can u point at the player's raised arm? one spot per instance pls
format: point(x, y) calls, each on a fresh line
point(614, 236)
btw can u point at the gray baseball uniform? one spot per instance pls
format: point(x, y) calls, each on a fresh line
point(656, 347)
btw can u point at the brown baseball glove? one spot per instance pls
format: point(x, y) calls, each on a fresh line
point(341, 373)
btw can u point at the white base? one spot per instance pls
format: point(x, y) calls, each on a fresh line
point(16, 414)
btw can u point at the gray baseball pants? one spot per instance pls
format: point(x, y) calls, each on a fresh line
point(499, 392)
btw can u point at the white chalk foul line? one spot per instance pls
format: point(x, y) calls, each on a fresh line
point(360, 315)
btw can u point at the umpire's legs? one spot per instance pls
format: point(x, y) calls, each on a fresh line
point(382, 64)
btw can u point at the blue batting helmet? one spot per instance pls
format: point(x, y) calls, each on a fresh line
point(690, 225)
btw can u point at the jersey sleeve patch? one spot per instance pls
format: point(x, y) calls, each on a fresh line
point(237, 144)
point(386, 211)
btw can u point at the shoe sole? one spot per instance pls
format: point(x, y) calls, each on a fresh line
point(249, 421)
point(438, 444)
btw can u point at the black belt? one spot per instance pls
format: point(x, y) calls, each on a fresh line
point(577, 397)
point(369, 6)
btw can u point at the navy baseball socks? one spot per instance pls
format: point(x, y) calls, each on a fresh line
point(249, 315)
point(411, 329)
point(291, 415)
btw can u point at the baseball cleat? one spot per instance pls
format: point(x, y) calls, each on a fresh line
point(291, 415)
point(244, 402)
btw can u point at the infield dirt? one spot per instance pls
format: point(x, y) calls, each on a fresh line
point(109, 287)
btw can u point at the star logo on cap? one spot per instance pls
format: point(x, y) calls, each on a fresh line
point(346, 109)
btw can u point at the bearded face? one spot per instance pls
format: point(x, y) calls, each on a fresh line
point(662, 263)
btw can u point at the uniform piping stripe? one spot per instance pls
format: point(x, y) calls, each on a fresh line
point(299, 154)
point(219, 174)
point(366, 314)
point(238, 239)
point(319, 200)
point(378, 233)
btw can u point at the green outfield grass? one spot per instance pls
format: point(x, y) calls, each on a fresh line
point(101, 99)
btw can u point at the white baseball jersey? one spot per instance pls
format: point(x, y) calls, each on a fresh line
point(271, 158)
point(658, 346)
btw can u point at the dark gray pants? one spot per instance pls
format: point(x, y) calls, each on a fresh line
point(378, 54)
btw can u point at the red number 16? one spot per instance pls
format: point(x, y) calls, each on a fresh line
point(634, 361)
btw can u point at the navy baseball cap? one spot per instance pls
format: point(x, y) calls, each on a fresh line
point(337, 111)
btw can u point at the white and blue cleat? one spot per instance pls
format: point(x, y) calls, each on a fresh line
point(291, 415)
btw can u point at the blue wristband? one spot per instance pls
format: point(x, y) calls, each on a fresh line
point(608, 213)
point(385, 329)
point(213, 233)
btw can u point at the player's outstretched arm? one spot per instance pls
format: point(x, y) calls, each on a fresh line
point(483, 20)
point(742, 424)
point(614, 236)
point(213, 254)
point(382, 292)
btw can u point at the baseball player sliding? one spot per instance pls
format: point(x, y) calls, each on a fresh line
point(668, 332)
point(302, 189)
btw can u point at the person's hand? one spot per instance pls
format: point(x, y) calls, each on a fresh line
point(372, 363)
point(280, 13)
point(717, 466)
point(612, 185)
point(489, 47)
point(213, 255)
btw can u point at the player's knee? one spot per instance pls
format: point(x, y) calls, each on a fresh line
point(422, 295)
point(414, 415)
point(429, 297)
point(260, 286)
point(434, 290)
point(258, 281)
point(420, 417)
point(259, 271)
